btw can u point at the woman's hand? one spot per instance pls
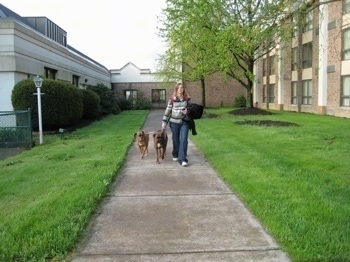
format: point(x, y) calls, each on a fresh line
point(163, 125)
point(184, 111)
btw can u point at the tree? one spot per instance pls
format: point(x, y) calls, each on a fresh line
point(228, 36)
point(189, 55)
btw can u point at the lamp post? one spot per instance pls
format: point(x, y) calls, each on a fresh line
point(38, 81)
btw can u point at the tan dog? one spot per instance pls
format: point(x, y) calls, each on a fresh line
point(142, 138)
point(160, 141)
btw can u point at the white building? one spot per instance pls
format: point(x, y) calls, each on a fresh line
point(129, 81)
point(31, 46)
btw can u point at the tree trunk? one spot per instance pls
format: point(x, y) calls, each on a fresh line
point(267, 82)
point(250, 85)
point(203, 90)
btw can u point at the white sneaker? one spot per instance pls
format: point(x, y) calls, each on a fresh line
point(184, 164)
point(175, 159)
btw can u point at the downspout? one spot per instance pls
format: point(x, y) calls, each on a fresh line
point(279, 69)
point(323, 59)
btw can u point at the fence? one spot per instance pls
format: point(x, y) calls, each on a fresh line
point(15, 129)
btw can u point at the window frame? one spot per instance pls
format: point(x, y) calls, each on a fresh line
point(346, 45)
point(308, 19)
point(345, 89)
point(295, 31)
point(131, 95)
point(271, 93)
point(346, 7)
point(306, 92)
point(264, 94)
point(264, 61)
point(307, 55)
point(294, 58)
point(50, 73)
point(158, 95)
point(272, 65)
point(294, 93)
point(75, 80)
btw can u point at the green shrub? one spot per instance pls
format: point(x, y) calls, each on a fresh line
point(22, 97)
point(61, 102)
point(91, 102)
point(142, 102)
point(108, 103)
point(116, 109)
point(240, 101)
point(74, 103)
point(124, 104)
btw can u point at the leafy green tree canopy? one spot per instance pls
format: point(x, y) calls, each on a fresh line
point(227, 36)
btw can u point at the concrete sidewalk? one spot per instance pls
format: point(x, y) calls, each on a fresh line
point(165, 212)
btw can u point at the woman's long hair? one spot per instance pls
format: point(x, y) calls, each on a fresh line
point(185, 95)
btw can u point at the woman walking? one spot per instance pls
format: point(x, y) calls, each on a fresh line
point(173, 114)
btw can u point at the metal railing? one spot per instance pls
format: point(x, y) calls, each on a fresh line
point(15, 129)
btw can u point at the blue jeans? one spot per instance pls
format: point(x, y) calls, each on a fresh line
point(180, 140)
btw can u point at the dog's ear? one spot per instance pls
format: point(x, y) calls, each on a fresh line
point(143, 132)
point(154, 134)
point(135, 135)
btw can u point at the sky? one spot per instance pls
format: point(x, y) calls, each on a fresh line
point(112, 33)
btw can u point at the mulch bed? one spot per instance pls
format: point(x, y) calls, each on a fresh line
point(244, 111)
point(251, 111)
point(265, 123)
point(256, 111)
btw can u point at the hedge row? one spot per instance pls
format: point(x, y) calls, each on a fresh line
point(62, 103)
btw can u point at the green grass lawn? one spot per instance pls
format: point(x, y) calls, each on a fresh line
point(49, 193)
point(295, 180)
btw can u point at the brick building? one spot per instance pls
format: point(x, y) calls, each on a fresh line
point(130, 80)
point(219, 91)
point(311, 73)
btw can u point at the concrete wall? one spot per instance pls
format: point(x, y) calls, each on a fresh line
point(25, 53)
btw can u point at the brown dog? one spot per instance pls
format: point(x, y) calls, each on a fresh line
point(160, 141)
point(142, 138)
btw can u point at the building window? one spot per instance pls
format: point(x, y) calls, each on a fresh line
point(264, 66)
point(295, 27)
point(50, 73)
point(64, 40)
point(272, 93)
point(307, 55)
point(75, 80)
point(345, 94)
point(158, 95)
point(307, 26)
point(264, 94)
point(346, 44)
point(131, 95)
point(307, 92)
point(294, 96)
point(272, 65)
point(346, 6)
point(294, 59)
